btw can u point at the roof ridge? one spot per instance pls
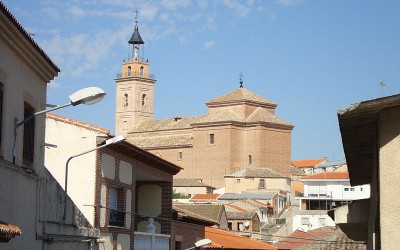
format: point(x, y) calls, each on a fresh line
point(75, 122)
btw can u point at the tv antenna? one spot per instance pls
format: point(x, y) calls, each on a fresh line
point(383, 85)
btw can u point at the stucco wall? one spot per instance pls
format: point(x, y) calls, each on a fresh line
point(81, 173)
point(389, 175)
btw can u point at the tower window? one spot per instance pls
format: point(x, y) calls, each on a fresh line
point(250, 159)
point(141, 71)
point(144, 104)
point(129, 70)
point(212, 139)
point(126, 100)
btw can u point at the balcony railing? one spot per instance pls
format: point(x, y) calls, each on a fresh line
point(150, 240)
point(151, 76)
point(117, 218)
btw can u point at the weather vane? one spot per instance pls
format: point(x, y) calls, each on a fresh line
point(241, 80)
point(382, 84)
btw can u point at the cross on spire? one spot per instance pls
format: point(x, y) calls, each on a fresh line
point(136, 16)
point(241, 80)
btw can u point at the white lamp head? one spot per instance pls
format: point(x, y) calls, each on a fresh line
point(115, 139)
point(87, 96)
point(203, 243)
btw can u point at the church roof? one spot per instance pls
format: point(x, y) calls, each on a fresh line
point(241, 95)
point(262, 115)
point(161, 141)
point(256, 173)
point(167, 124)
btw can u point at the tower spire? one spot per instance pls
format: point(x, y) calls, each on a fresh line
point(136, 40)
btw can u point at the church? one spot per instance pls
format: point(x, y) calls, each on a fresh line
point(241, 129)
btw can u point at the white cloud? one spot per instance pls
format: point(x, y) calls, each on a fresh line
point(240, 9)
point(76, 12)
point(174, 4)
point(208, 44)
point(53, 84)
point(52, 12)
point(289, 2)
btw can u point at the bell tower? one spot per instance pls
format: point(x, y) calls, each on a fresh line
point(135, 87)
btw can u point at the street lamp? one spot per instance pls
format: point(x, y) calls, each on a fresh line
point(114, 140)
point(86, 96)
point(201, 243)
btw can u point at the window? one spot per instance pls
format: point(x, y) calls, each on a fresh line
point(180, 155)
point(321, 222)
point(250, 159)
point(116, 206)
point(261, 185)
point(361, 189)
point(141, 71)
point(352, 189)
point(240, 226)
point(29, 135)
point(144, 99)
point(230, 226)
point(305, 221)
point(237, 180)
point(346, 189)
point(129, 71)
point(212, 139)
point(313, 195)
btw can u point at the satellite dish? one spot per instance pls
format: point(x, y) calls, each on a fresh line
point(246, 223)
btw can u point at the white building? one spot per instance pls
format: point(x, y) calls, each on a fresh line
point(327, 190)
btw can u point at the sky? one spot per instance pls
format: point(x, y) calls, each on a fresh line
point(310, 57)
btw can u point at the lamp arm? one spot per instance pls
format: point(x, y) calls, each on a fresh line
point(66, 176)
point(41, 112)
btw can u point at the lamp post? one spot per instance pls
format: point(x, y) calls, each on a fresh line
point(114, 140)
point(201, 243)
point(86, 96)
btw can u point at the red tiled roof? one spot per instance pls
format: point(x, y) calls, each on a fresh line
point(329, 175)
point(205, 197)
point(77, 123)
point(222, 239)
point(236, 208)
point(299, 238)
point(8, 231)
point(308, 163)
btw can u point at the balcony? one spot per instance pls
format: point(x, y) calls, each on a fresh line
point(149, 240)
point(117, 218)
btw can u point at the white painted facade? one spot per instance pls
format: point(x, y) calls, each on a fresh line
point(311, 219)
point(335, 189)
point(30, 196)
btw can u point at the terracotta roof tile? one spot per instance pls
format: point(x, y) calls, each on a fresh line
point(189, 183)
point(256, 173)
point(308, 163)
point(77, 123)
point(161, 141)
point(248, 215)
point(228, 240)
point(335, 239)
point(263, 115)
point(240, 95)
point(235, 208)
point(328, 175)
point(212, 212)
point(8, 231)
point(204, 197)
